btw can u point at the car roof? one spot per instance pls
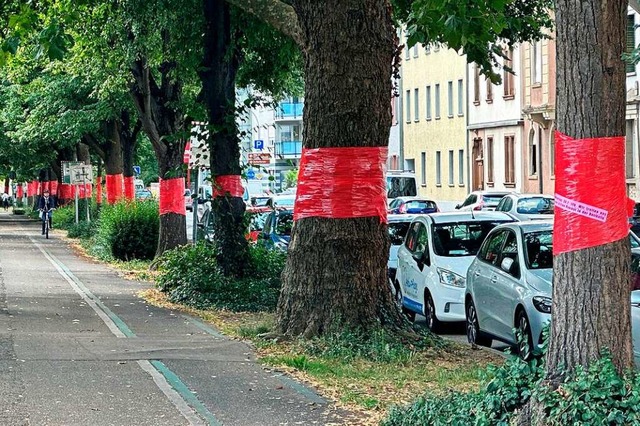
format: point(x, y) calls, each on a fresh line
point(398, 218)
point(468, 216)
point(529, 195)
point(415, 199)
point(530, 226)
point(503, 193)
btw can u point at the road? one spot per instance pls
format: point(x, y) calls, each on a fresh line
point(79, 347)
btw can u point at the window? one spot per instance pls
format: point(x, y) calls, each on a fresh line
point(490, 160)
point(489, 91)
point(490, 250)
point(437, 101)
point(629, 150)
point(407, 53)
point(508, 78)
point(428, 96)
point(460, 98)
point(451, 168)
point(533, 154)
point(476, 84)
point(631, 41)
point(417, 238)
point(416, 105)
point(461, 167)
point(438, 170)
point(450, 98)
point(408, 106)
point(423, 171)
point(509, 160)
point(536, 62)
point(510, 251)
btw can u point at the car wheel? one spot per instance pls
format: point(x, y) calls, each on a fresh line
point(523, 337)
point(430, 314)
point(474, 335)
point(411, 316)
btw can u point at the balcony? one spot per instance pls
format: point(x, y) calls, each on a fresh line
point(289, 111)
point(288, 149)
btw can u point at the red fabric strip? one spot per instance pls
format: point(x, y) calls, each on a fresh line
point(129, 189)
point(591, 199)
point(19, 193)
point(172, 196)
point(65, 191)
point(231, 184)
point(99, 190)
point(53, 185)
point(44, 186)
point(341, 183)
point(32, 188)
point(115, 185)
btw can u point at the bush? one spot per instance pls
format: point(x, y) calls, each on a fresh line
point(84, 230)
point(597, 395)
point(190, 275)
point(128, 230)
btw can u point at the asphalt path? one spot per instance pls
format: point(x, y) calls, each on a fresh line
point(79, 347)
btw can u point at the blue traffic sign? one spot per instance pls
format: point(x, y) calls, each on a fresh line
point(136, 170)
point(251, 174)
point(258, 144)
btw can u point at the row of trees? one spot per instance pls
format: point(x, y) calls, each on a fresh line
point(165, 62)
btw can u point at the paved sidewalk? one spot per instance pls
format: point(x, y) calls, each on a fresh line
point(78, 347)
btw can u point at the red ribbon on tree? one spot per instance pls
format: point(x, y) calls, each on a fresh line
point(53, 186)
point(31, 190)
point(65, 191)
point(19, 193)
point(129, 188)
point(99, 190)
point(114, 188)
point(172, 196)
point(591, 204)
point(342, 183)
point(231, 184)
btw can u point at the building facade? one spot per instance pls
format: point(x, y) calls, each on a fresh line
point(632, 151)
point(434, 114)
point(495, 127)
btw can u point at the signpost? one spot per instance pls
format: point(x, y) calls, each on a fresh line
point(136, 170)
point(258, 144)
point(80, 174)
point(257, 158)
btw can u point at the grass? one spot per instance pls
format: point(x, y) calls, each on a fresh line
point(359, 384)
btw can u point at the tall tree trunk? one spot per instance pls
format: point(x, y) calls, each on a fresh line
point(336, 268)
point(128, 139)
point(218, 75)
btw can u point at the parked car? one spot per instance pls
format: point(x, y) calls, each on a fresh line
point(527, 206)
point(509, 287)
point(143, 194)
point(397, 227)
point(188, 200)
point(276, 232)
point(482, 200)
point(433, 262)
point(412, 205)
point(634, 221)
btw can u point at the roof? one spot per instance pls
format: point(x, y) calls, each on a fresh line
point(414, 198)
point(532, 195)
point(397, 218)
point(469, 216)
point(532, 226)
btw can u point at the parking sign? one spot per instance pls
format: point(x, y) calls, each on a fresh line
point(258, 144)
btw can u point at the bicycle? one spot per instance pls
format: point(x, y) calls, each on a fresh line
point(46, 219)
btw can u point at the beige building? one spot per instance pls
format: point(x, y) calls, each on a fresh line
point(434, 110)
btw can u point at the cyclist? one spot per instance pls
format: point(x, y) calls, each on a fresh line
point(46, 205)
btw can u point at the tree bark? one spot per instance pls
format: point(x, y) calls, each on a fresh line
point(128, 138)
point(336, 269)
point(218, 75)
point(276, 13)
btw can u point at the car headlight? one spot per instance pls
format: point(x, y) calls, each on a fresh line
point(449, 278)
point(542, 303)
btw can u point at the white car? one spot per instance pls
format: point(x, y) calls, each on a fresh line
point(433, 263)
point(527, 206)
point(398, 227)
point(482, 200)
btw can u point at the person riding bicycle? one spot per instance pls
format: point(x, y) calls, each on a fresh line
point(46, 205)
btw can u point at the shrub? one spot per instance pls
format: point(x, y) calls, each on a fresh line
point(190, 275)
point(128, 230)
point(84, 229)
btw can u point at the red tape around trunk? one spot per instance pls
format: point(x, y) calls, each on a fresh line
point(172, 196)
point(65, 191)
point(32, 188)
point(99, 190)
point(231, 184)
point(19, 193)
point(53, 186)
point(129, 189)
point(342, 183)
point(592, 207)
point(114, 188)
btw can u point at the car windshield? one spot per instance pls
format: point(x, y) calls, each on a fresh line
point(260, 201)
point(535, 205)
point(493, 198)
point(257, 221)
point(421, 204)
point(397, 232)
point(538, 249)
point(285, 201)
point(461, 238)
point(284, 223)
point(398, 186)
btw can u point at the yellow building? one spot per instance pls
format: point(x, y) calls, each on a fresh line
point(434, 137)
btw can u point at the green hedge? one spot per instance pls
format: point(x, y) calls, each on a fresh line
point(190, 275)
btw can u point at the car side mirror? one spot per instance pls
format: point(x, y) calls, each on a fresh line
point(458, 206)
point(506, 264)
point(422, 258)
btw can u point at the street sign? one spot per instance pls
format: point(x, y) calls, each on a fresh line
point(251, 174)
point(66, 170)
point(81, 174)
point(258, 144)
point(259, 158)
point(136, 170)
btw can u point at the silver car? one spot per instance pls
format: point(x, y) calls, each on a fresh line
point(527, 206)
point(482, 200)
point(509, 288)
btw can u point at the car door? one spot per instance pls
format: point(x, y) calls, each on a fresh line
point(411, 257)
point(484, 276)
point(505, 288)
